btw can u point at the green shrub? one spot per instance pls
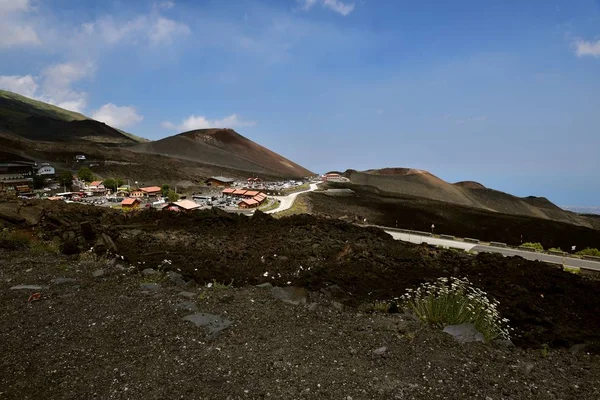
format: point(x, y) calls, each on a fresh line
point(14, 240)
point(537, 246)
point(555, 249)
point(453, 302)
point(589, 252)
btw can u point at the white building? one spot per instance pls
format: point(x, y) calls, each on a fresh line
point(46, 170)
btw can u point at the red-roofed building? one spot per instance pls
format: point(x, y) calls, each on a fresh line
point(182, 205)
point(97, 188)
point(130, 203)
point(239, 192)
point(248, 203)
point(151, 191)
point(250, 193)
point(228, 191)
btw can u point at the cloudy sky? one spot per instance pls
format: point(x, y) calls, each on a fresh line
point(502, 92)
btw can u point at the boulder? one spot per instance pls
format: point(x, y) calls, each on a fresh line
point(215, 324)
point(464, 333)
point(291, 295)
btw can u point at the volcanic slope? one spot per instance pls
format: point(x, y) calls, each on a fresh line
point(39, 121)
point(421, 183)
point(226, 148)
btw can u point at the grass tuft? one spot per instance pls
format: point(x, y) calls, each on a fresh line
point(453, 302)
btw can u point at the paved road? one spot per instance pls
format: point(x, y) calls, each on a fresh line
point(288, 201)
point(528, 255)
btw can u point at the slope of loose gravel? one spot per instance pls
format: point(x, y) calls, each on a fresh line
point(105, 338)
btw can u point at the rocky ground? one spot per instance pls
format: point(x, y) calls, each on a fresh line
point(104, 330)
point(166, 305)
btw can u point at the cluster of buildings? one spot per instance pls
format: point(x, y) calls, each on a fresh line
point(334, 177)
point(17, 176)
point(248, 198)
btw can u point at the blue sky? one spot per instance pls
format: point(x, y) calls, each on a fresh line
point(506, 93)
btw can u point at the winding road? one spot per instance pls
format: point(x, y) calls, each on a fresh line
point(505, 251)
point(288, 201)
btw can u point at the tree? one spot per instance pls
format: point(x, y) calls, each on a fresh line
point(119, 182)
point(85, 174)
point(172, 196)
point(110, 183)
point(66, 179)
point(165, 190)
point(38, 181)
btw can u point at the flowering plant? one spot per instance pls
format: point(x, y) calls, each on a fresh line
point(456, 301)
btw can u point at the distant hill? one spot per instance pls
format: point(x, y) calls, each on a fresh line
point(226, 148)
point(421, 183)
point(36, 120)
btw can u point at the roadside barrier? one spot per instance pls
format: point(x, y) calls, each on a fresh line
point(470, 240)
point(527, 248)
point(498, 244)
point(450, 237)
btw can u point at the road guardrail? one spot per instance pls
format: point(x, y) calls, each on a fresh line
point(471, 240)
point(498, 244)
point(527, 248)
point(450, 237)
point(557, 253)
point(591, 258)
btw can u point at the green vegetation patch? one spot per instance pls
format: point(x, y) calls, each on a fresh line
point(536, 246)
point(456, 301)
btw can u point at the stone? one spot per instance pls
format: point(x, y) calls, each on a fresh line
point(215, 324)
point(578, 348)
point(60, 281)
point(98, 273)
point(291, 295)
point(149, 271)
point(187, 306)
point(28, 287)
point(173, 275)
point(526, 368)
point(152, 287)
point(506, 343)
point(187, 295)
point(108, 242)
point(266, 285)
point(464, 333)
point(176, 278)
point(337, 305)
point(31, 214)
point(380, 351)
point(331, 290)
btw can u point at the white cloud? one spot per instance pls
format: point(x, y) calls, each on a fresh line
point(10, 6)
point(57, 85)
point(339, 7)
point(307, 4)
point(165, 5)
point(201, 122)
point(119, 117)
point(152, 29)
point(585, 48)
point(24, 85)
point(13, 30)
point(54, 86)
point(164, 30)
point(334, 5)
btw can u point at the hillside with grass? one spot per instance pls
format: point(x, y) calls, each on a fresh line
point(35, 120)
